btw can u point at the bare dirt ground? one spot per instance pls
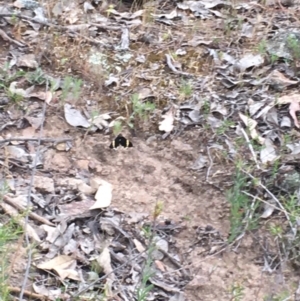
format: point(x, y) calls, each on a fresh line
point(154, 169)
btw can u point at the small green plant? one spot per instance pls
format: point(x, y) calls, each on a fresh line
point(140, 109)
point(293, 44)
point(117, 128)
point(237, 292)
point(15, 97)
point(292, 207)
point(242, 208)
point(274, 58)
point(8, 233)
point(144, 287)
point(262, 47)
point(224, 127)
point(36, 77)
point(71, 86)
point(6, 76)
point(110, 9)
point(206, 107)
point(186, 89)
point(276, 230)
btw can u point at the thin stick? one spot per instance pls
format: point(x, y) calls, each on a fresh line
point(28, 264)
point(250, 147)
point(210, 164)
point(33, 215)
point(274, 198)
point(8, 38)
point(27, 293)
point(58, 140)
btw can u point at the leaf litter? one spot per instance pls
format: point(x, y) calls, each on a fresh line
point(239, 98)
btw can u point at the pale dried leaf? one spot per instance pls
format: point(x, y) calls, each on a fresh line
point(251, 125)
point(27, 60)
point(74, 117)
point(268, 153)
point(294, 107)
point(167, 124)
point(43, 290)
point(64, 265)
point(103, 196)
point(139, 245)
point(46, 96)
point(268, 210)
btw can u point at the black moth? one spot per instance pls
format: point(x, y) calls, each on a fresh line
point(120, 140)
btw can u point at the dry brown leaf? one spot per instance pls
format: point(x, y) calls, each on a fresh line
point(46, 96)
point(160, 265)
point(64, 266)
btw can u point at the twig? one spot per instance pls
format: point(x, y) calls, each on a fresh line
point(28, 264)
point(8, 38)
point(58, 140)
point(263, 201)
point(33, 215)
point(274, 198)
point(176, 263)
point(250, 147)
point(12, 211)
point(16, 15)
point(173, 68)
point(13, 289)
point(210, 163)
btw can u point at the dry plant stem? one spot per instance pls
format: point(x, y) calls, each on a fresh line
point(11, 211)
point(33, 215)
point(176, 263)
point(274, 198)
point(26, 293)
point(250, 147)
point(9, 39)
point(28, 203)
point(58, 140)
point(261, 200)
point(210, 164)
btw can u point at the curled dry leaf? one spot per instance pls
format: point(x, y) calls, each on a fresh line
point(103, 195)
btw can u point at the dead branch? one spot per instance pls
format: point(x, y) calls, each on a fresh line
point(5, 37)
point(33, 215)
point(13, 289)
point(56, 140)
